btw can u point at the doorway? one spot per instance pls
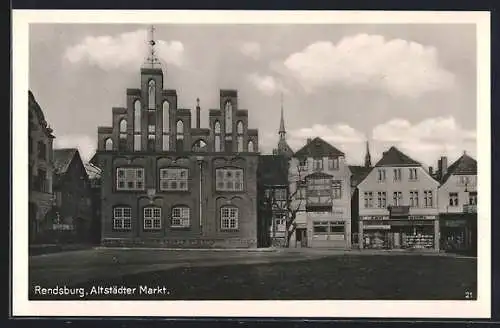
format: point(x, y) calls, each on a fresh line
point(301, 237)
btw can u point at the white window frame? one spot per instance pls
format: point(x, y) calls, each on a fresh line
point(303, 164)
point(122, 218)
point(428, 198)
point(413, 174)
point(130, 174)
point(381, 175)
point(414, 198)
point(333, 163)
point(453, 199)
point(152, 218)
point(397, 198)
point(237, 183)
point(397, 174)
point(337, 189)
point(180, 217)
point(382, 199)
point(229, 218)
point(368, 199)
point(171, 175)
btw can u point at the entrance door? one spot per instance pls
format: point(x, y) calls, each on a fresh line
point(301, 237)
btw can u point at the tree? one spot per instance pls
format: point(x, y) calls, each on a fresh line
point(292, 206)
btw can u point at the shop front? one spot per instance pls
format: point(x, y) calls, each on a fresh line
point(458, 232)
point(388, 233)
point(328, 230)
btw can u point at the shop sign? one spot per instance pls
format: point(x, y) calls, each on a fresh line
point(455, 223)
point(399, 210)
point(376, 217)
point(377, 227)
point(411, 223)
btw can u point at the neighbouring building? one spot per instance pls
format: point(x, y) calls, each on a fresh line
point(398, 205)
point(166, 182)
point(358, 174)
point(94, 174)
point(273, 199)
point(458, 203)
point(71, 215)
point(322, 179)
point(40, 168)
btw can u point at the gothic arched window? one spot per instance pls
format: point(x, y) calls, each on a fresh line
point(152, 95)
point(180, 135)
point(166, 125)
point(108, 144)
point(239, 130)
point(217, 136)
point(229, 117)
point(137, 116)
point(250, 146)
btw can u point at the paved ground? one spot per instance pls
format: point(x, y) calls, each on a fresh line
point(263, 274)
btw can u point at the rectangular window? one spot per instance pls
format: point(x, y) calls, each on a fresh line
point(453, 199)
point(413, 174)
point(129, 178)
point(181, 217)
point(280, 194)
point(382, 199)
point(229, 179)
point(229, 218)
point(333, 163)
point(152, 218)
point(428, 201)
point(151, 142)
point(303, 164)
point(318, 164)
point(174, 179)
point(414, 198)
point(328, 228)
point(165, 142)
point(137, 142)
point(319, 191)
point(397, 198)
point(381, 175)
point(368, 196)
point(337, 189)
point(473, 198)
point(122, 218)
point(397, 174)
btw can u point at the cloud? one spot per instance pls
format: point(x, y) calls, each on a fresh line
point(427, 140)
point(126, 50)
point(400, 67)
point(267, 84)
point(86, 145)
point(251, 49)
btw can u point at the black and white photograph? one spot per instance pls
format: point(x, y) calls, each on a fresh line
point(227, 157)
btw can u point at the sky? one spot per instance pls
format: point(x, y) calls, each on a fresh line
point(412, 86)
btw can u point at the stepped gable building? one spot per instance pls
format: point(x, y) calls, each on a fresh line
point(398, 205)
point(458, 203)
point(167, 182)
point(40, 140)
point(320, 175)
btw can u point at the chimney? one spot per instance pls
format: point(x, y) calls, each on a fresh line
point(197, 113)
point(431, 171)
point(443, 166)
point(309, 140)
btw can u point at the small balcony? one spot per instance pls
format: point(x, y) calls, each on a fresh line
point(468, 208)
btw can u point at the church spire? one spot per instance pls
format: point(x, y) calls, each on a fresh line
point(152, 60)
point(282, 131)
point(368, 158)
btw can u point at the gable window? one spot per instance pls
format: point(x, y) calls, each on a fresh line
point(368, 198)
point(280, 194)
point(397, 174)
point(414, 198)
point(397, 198)
point(181, 217)
point(413, 174)
point(152, 218)
point(151, 95)
point(174, 179)
point(337, 189)
point(318, 164)
point(473, 198)
point(303, 164)
point(166, 126)
point(453, 199)
point(122, 218)
point(381, 175)
point(333, 163)
point(428, 201)
point(229, 218)
point(228, 112)
point(382, 199)
point(229, 179)
point(129, 178)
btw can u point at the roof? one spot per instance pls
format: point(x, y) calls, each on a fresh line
point(92, 171)
point(62, 158)
point(394, 157)
point(273, 170)
point(318, 148)
point(359, 173)
point(465, 165)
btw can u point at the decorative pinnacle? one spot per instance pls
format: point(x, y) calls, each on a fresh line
point(197, 102)
point(152, 59)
